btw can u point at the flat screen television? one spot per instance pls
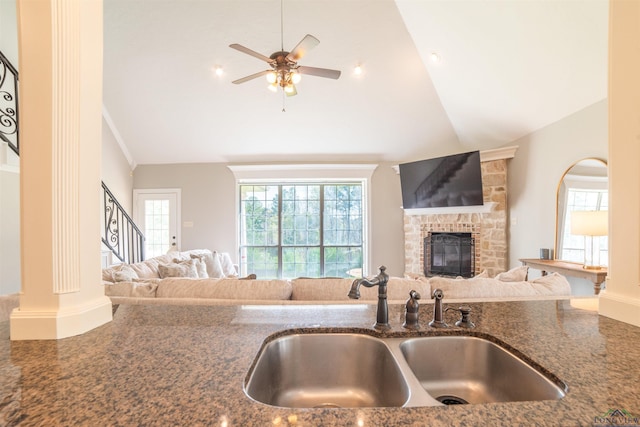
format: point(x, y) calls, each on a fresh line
point(454, 180)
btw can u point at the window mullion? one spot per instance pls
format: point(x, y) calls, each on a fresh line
point(321, 229)
point(280, 265)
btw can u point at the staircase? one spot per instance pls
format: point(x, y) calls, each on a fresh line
point(9, 104)
point(119, 233)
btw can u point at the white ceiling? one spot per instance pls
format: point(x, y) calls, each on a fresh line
point(507, 68)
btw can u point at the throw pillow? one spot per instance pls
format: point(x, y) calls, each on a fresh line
point(483, 273)
point(124, 273)
point(227, 265)
point(212, 262)
point(182, 269)
point(517, 274)
point(201, 265)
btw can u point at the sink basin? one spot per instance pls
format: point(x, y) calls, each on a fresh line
point(347, 370)
point(466, 369)
point(327, 370)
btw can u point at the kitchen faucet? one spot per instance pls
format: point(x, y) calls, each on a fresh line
point(382, 316)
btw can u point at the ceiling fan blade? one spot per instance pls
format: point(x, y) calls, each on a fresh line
point(251, 77)
point(253, 53)
point(307, 43)
point(319, 72)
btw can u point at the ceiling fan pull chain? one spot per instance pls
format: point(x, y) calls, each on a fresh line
point(283, 100)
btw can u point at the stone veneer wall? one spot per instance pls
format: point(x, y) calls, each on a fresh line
point(488, 229)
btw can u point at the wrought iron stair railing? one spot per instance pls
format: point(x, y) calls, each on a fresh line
point(120, 233)
point(9, 104)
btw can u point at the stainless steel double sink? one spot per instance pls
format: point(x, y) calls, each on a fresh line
point(349, 370)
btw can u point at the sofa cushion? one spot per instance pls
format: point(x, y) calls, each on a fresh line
point(517, 274)
point(398, 288)
point(325, 289)
point(233, 289)
point(554, 283)
point(336, 289)
point(149, 269)
point(141, 289)
point(493, 288)
point(123, 273)
point(179, 269)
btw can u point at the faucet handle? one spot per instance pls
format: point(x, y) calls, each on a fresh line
point(411, 311)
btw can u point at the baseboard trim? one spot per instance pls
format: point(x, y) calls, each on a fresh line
point(64, 323)
point(620, 307)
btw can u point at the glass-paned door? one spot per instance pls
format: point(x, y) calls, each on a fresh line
point(157, 214)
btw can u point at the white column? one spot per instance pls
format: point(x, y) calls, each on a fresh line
point(621, 299)
point(60, 148)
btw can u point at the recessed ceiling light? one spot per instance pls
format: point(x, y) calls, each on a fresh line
point(219, 71)
point(357, 70)
point(435, 57)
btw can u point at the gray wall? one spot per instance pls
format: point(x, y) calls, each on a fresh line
point(116, 170)
point(9, 232)
point(534, 174)
point(209, 202)
point(9, 31)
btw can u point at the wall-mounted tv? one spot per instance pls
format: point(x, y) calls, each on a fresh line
point(454, 180)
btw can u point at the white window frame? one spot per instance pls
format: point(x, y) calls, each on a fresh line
point(328, 173)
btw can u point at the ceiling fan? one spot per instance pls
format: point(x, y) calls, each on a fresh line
point(285, 71)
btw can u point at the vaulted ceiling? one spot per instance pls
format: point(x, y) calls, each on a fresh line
point(506, 68)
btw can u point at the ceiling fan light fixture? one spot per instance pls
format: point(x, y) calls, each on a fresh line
point(289, 88)
point(273, 87)
point(295, 77)
point(272, 77)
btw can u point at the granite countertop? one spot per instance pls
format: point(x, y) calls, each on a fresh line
point(185, 365)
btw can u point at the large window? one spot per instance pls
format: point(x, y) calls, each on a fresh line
point(579, 199)
point(290, 230)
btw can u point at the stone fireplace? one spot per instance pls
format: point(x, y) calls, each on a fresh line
point(487, 226)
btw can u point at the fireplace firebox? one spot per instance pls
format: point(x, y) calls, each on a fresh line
point(449, 254)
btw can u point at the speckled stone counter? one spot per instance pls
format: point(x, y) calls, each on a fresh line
point(186, 365)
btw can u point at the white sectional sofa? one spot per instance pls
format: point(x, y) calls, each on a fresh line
point(181, 278)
